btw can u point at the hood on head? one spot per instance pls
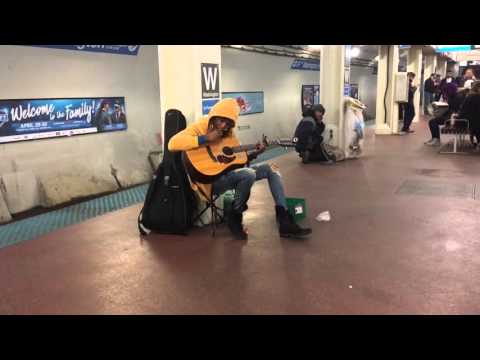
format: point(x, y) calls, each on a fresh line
point(227, 108)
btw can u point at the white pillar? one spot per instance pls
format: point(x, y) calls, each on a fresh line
point(430, 65)
point(180, 77)
point(387, 108)
point(332, 63)
point(415, 65)
point(442, 66)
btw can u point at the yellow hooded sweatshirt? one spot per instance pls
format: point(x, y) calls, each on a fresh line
point(188, 138)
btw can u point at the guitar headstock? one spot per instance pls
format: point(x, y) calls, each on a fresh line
point(282, 142)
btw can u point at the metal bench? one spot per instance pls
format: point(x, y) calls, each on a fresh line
point(459, 128)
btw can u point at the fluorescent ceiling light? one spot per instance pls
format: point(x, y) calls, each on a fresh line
point(354, 52)
point(315, 47)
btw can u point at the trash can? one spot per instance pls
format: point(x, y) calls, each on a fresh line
point(297, 207)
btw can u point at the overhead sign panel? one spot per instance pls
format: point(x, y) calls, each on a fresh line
point(452, 48)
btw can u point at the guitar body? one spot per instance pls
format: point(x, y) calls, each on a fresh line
point(208, 162)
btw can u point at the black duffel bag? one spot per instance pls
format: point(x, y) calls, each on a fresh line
point(170, 201)
point(169, 204)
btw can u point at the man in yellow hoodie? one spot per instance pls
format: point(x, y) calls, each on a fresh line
point(219, 123)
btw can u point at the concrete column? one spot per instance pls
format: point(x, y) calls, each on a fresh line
point(332, 63)
point(180, 77)
point(415, 65)
point(387, 108)
point(430, 65)
point(441, 66)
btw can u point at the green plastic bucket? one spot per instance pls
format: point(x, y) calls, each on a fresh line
point(297, 207)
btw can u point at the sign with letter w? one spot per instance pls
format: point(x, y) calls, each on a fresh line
point(210, 81)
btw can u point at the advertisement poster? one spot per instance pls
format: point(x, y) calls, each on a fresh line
point(250, 102)
point(31, 119)
point(310, 95)
point(354, 91)
point(110, 49)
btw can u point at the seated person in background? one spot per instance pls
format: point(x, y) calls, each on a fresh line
point(308, 135)
point(210, 129)
point(454, 106)
point(471, 110)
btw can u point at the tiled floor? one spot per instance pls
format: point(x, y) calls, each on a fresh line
point(38, 225)
point(384, 252)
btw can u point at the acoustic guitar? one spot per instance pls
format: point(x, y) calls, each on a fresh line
point(207, 163)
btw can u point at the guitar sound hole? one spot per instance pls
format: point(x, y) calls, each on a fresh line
point(227, 151)
point(225, 159)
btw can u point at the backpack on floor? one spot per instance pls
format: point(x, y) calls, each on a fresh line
point(170, 201)
point(334, 153)
point(326, 151)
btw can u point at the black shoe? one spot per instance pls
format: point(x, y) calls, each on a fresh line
point(287, 226)
point(278, 212)
point(234, 223)
point(306, 157)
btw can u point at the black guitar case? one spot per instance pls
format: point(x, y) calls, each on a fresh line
point(170, 201)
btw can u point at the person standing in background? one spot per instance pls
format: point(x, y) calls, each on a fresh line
point(468, 78)
point(409, 112)
point(429, 93)
point(449, 90)
point(438, 93)
point(448, 87)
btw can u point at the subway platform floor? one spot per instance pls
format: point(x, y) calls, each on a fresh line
point(403, 239)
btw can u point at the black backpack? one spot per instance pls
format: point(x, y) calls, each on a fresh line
point(170, 200)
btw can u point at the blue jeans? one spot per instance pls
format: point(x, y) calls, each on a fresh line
point(241, 180)
point(428, 99)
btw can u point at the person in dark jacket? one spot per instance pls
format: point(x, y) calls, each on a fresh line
point(438, 92)
point(409, 108)
point(448, 88)
point(308, 135)
point(118, 116)
point(454, 107)
point(471, 110)
point(429, 93)
point(102, 117)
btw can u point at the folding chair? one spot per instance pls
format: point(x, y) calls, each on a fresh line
point(218, 215)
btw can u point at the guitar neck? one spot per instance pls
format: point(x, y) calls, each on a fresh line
point(283, 143)
point(242, 148)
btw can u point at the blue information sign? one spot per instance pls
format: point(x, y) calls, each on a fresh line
point(306, 64)
point(110, 49)
point(452, 48)
point(207, 104)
